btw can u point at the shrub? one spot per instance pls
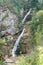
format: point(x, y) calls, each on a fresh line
point(37, 27)
point(34, 58)
point(1, 63)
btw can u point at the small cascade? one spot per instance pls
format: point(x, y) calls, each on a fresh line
point(17, 43)
point(20, 36)
point(23, 21)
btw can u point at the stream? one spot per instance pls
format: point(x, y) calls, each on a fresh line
point(17, 43)
point(20, 36)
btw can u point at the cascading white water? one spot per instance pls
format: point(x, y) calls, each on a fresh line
point(23, 21)
point(17, 43)
point(21, 35)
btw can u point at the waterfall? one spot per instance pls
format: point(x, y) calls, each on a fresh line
point(17, 43)
point(20, 36)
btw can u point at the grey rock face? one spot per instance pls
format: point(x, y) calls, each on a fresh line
point(9, 20)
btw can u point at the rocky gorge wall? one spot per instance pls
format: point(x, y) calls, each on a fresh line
point(9, 31)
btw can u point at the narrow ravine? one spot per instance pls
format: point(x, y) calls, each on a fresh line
point(17, 41)
point(21, 35)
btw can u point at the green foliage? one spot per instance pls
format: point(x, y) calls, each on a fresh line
point(40, 4)
point(1, 63)
point(37, 27)
point(1, 52)
point(34, 58)
point(39, 35)
point(2, 41)
point(34, 3)
point(13, 5)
